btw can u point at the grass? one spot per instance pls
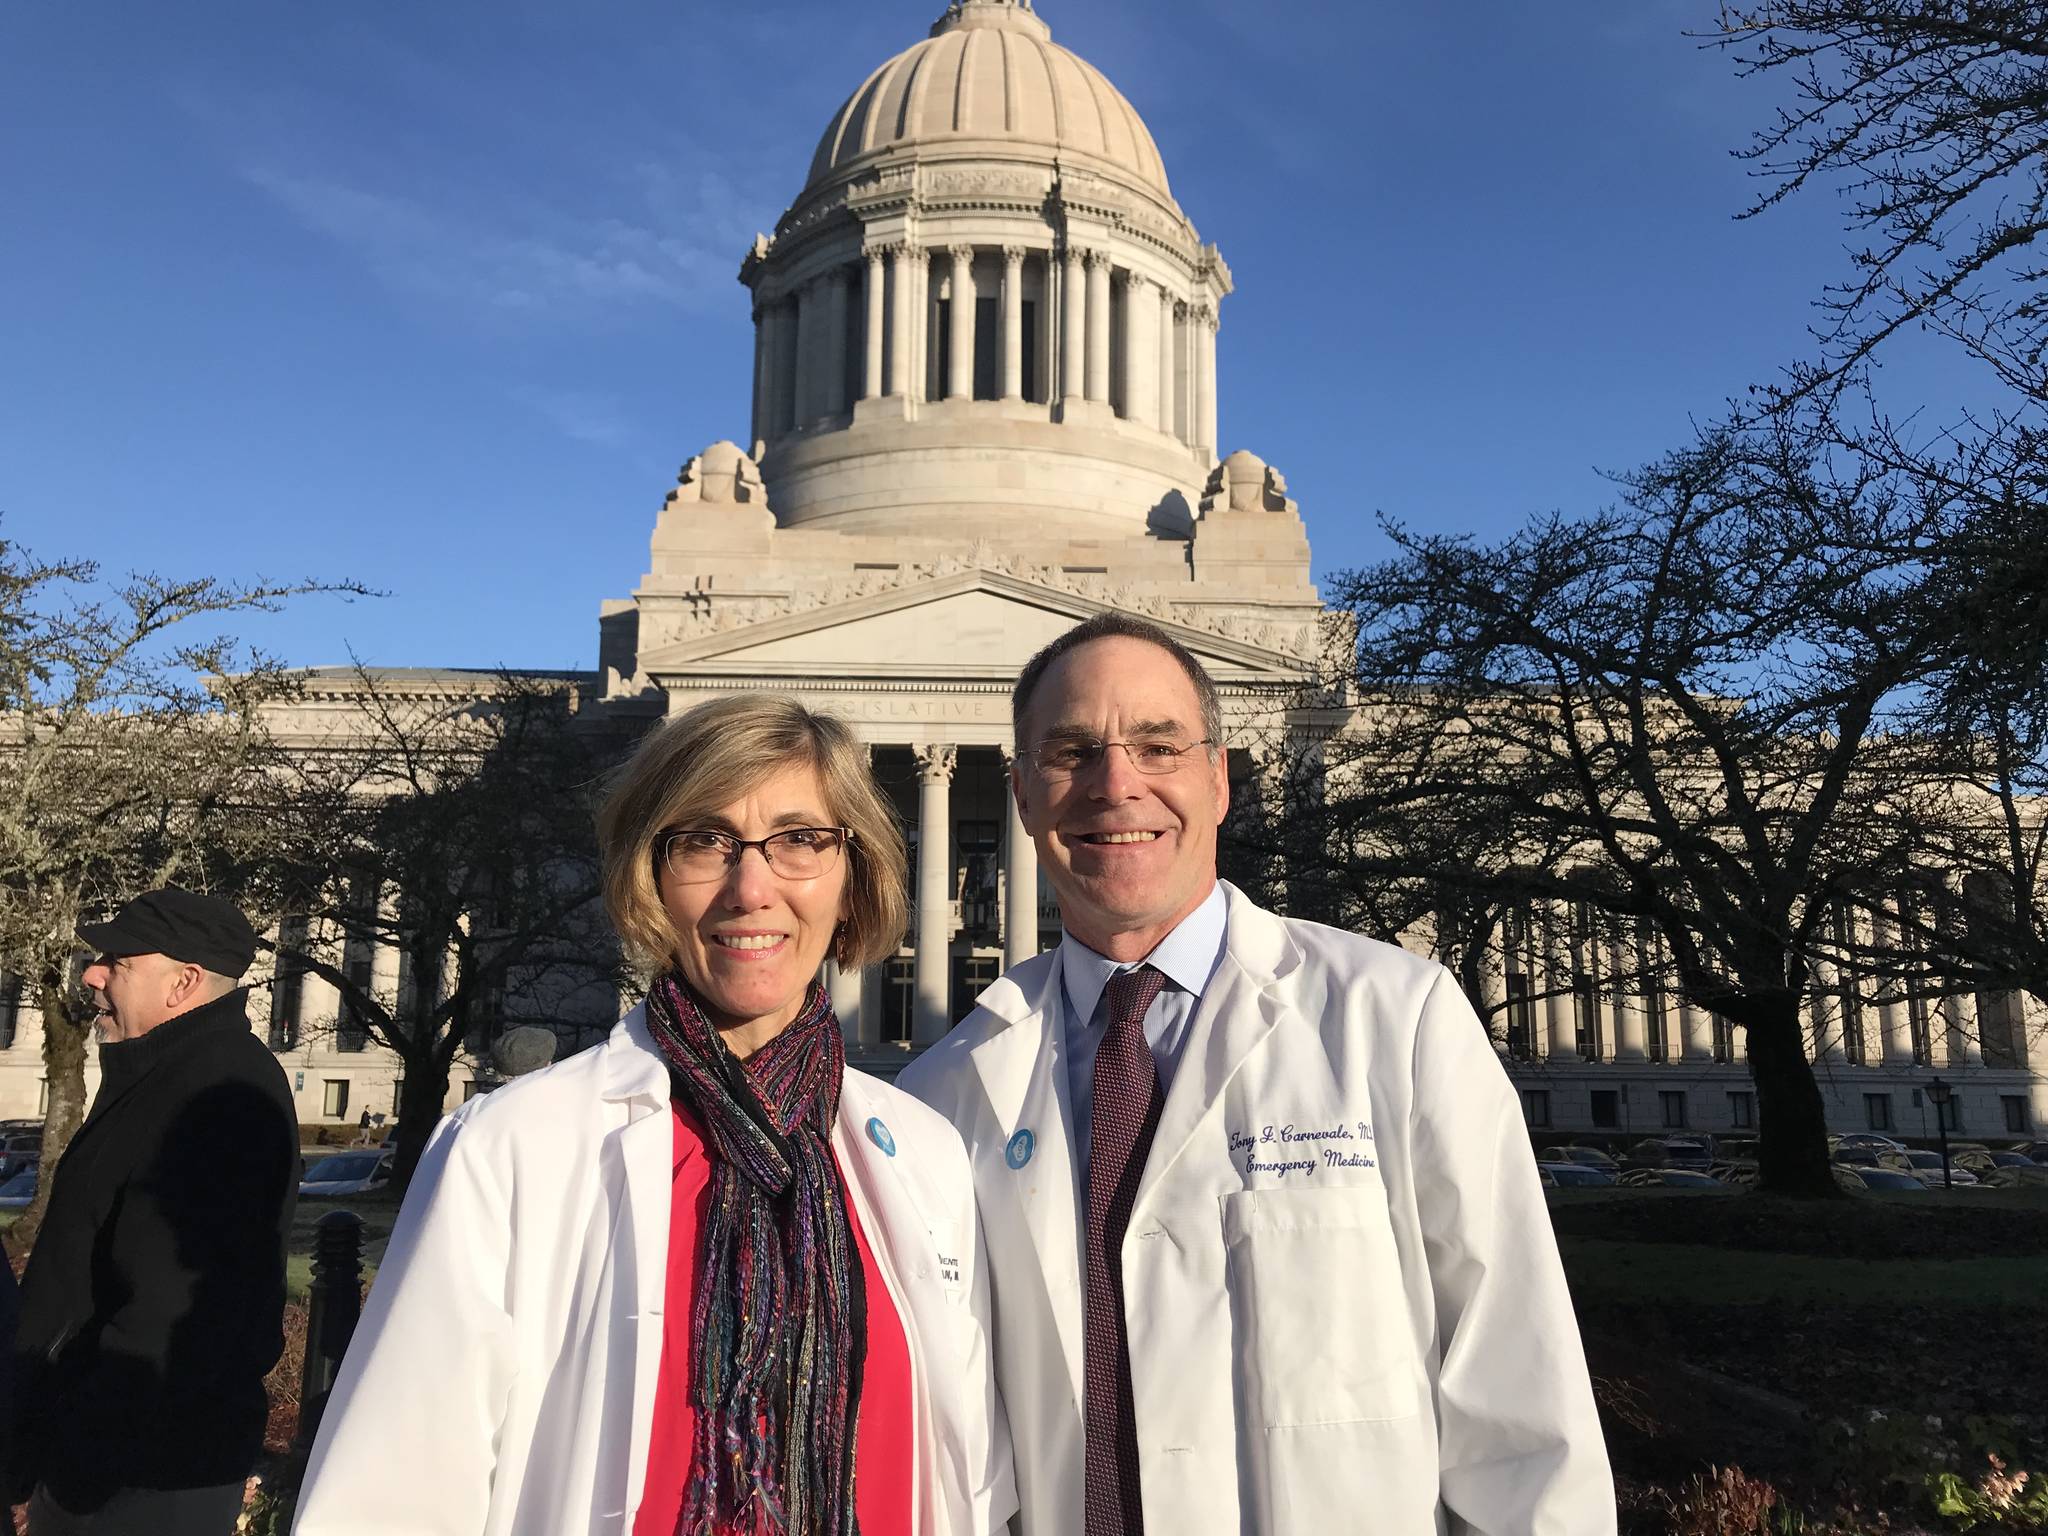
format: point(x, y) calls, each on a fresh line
point(1686, 1273)
point(378, 1212)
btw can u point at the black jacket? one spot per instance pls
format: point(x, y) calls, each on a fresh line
point(153, 1305)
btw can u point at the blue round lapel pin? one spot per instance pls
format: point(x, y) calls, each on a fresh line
point(878, 1133)
point(1019, 1151)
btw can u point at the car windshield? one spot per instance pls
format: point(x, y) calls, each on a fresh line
point(333, 1170)
point(1924, 1159)
point(23, 1183)
point(1885, 1178)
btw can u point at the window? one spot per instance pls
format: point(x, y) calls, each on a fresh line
point(334, 1098)
point(2016, 1119)
point(1536, 1106)
point(1029, 308)
point(287, 986)
point(988, 347)
point(1742, 1110)
point(1952, 1113)
point(1916, 1013)
point(10, 1007)
point(1586, 1009)
point(1724, 1040)
point(1521, 1017)
point(1877, 1111)
point(1672, 1102)
point(42, 1096)
point(1659, 1027)
point(972, 975)
point(899, 997)
point(1606, 1108)
point(2000, 1029)
point(350, 1033)
point(397, 1096)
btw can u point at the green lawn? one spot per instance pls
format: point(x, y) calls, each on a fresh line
point(378, 1212)
point(1681, 1273)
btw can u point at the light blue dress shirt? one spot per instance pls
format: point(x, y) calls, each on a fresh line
point(1188, 957)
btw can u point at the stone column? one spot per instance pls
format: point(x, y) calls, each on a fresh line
point(1966, 1031)
point(1896, 1015)
point(842, 983)
point(1696, 1033)
point(809, 322)
point(898, 360)
point(1141, 351)
point(960, 366)
point(386, 954)
point(1631, 1033)
point(1164, 324)
point(1098, 325)
point(1013, 322)
point(1205, 362)
point(1020, 883)
point(877, 333)
point(934, 891)
point(319, 998)
point(1073, 326)
point(832, 397)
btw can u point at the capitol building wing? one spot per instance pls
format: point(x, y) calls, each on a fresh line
point(984, 406)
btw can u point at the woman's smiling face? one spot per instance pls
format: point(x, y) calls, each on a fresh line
point(750, 942)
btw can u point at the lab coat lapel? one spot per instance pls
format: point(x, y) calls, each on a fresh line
point(1237, 1011)
point(1023, 1069)
point(637, 1080)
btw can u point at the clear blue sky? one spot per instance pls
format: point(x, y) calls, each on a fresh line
point(438, 296)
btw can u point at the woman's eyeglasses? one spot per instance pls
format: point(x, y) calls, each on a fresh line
point(693, 856)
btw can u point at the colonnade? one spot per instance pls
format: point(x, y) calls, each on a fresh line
point(862, 331)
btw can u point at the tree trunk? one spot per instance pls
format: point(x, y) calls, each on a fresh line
point(64, 1045)
point(420, 1098)
point(1792, 1127)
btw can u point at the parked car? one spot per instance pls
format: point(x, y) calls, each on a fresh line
point(1670, 1178)
point(1742, 1171)
point(21, 1149)
point(1926, 1167)
point(1870, 1139)
point(1981, 1163)
point(346, 1173)
point(1574, 1176)
point(1669, 1152)
point(2034, 1176)
point(1585, 1157)
point(1856, 1157)
point(18, 1191)
point(1888, 1180)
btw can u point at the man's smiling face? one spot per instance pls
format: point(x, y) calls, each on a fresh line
point(1129, 854)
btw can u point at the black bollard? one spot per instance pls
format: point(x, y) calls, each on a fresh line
point(333, 1304)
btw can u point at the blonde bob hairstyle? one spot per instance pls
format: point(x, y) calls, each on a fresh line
point(702, 761)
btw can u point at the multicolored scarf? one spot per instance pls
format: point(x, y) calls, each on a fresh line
point(779, 1335)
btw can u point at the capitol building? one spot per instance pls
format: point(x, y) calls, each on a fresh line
point(984, 405)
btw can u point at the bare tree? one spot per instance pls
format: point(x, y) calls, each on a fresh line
point(1931, 118)
point(1684, 708)
point(446, 824)
point(132, 756)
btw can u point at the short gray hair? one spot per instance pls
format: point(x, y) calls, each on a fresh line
point(1111, 625)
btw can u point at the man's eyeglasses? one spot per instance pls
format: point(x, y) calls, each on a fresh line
point(693, 856)
point(1148, 754)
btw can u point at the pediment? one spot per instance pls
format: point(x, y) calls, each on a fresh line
point(970, 623)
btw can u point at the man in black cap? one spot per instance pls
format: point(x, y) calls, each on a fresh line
point(153, 1304)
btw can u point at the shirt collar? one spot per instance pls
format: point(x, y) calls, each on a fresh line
point(1188, 956)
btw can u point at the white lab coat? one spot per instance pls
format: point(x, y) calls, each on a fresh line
point(501, 1382)
point(1345, 1307)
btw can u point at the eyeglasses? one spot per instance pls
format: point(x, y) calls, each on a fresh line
point(692, 855)
point(1148, 754)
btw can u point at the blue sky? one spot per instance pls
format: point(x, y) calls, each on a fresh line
point(439, 296)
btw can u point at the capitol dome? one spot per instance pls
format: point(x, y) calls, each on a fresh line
point(983, 307)
point(991, 71)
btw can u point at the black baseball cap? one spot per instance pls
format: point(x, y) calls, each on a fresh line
point(200, 930)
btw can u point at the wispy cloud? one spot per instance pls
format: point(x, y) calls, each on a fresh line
point(513, 259)
point(586, 417)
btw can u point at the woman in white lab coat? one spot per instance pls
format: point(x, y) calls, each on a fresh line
point(702, 1278)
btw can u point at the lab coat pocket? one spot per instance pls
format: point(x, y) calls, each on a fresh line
point(1317, 1307)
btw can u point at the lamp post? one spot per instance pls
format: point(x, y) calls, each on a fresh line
point(1938, 1094)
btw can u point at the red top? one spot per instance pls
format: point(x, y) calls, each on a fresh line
point(881, 1456)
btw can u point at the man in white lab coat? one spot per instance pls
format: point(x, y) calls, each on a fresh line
point(1266, 1241)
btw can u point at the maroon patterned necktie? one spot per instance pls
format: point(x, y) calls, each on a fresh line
point(1125, 1114)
